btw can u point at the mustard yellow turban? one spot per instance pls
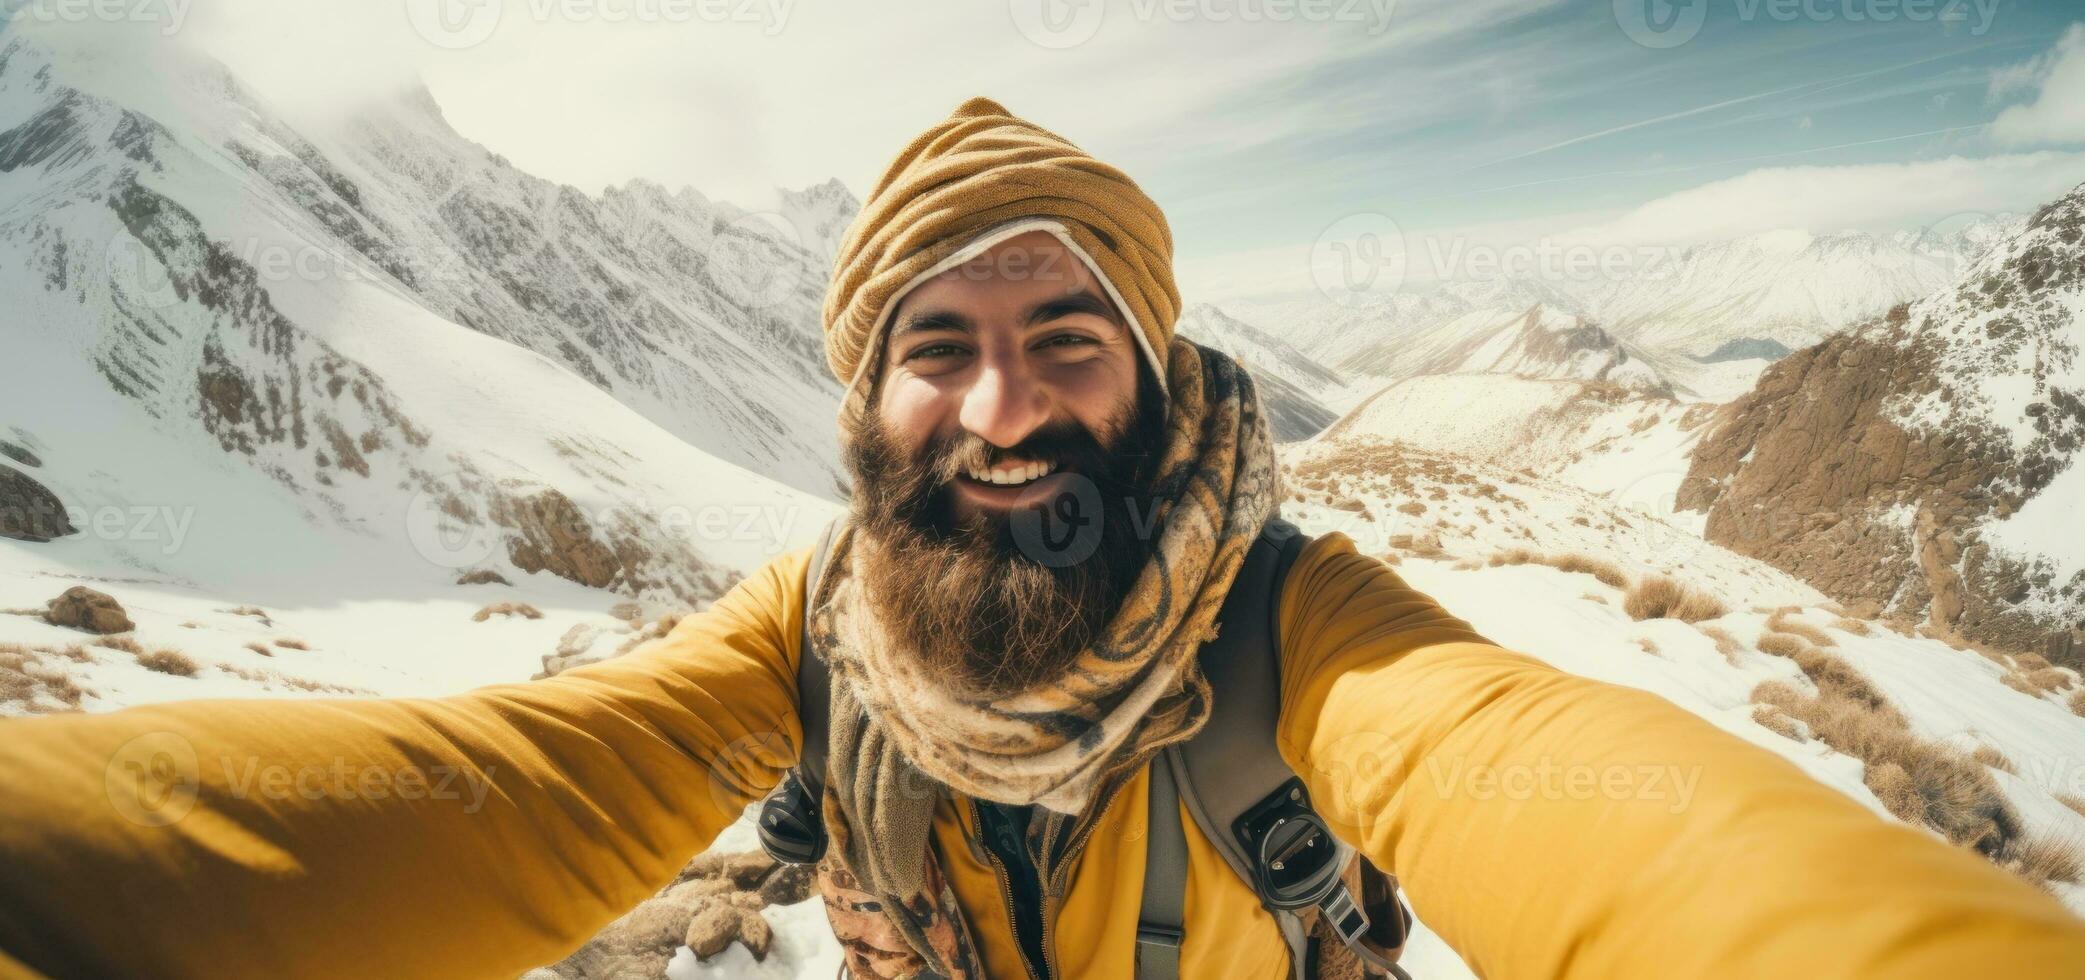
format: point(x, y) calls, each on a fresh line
point(979, 177)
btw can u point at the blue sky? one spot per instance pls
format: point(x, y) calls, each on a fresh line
point(1499, 121)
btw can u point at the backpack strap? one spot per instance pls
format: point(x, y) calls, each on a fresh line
point(1231, 764)
point(814, 684)
point(1232, 767)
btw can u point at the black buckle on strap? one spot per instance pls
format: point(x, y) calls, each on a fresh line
point(1344, 916)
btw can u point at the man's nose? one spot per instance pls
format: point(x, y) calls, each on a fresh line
point(1005, 404)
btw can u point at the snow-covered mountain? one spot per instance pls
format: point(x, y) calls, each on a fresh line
point(673, 304)
point(1699, 322)
point(349, 376)
point(1537, 342)
point(1927, 463)
point(1295, 390)
point(1789, 287)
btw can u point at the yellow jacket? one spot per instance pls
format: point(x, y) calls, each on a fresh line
point(482, 834)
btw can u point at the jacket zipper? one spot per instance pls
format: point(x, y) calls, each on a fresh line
point(1060, 879)
point(1051, 889)
point(1006, 899)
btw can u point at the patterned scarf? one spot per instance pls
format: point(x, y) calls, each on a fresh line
point(900, 740)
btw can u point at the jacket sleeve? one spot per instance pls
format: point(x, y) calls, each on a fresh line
point(1547, 825)
point(475, 835)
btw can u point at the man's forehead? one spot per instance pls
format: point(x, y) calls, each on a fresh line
point(1030, 270)
point(1035, 256)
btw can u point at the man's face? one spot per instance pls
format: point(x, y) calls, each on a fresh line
point(1018, 342)
point(1001, 474)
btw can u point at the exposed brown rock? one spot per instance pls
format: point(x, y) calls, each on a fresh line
point(28, 510)
point(82, 608)
point(714, 902)
point(1813, 472)
point(556, 537)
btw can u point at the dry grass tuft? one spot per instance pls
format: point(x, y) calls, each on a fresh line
point(2049, 678)
point(36, 687)
point(1920, 781)
point(1782, 622)
point(1427, 546)
point(521, 609)
point(1659, 597)
point(1836, 678)
point(2074, 802)
point(1771, 719)
point(1781, 645)
point(482, 576)
point(253, 611)
point(1854, 626)
point(2042, 858)
point(2077, 702)
point(1995, 759)
point(125, 642)
point(1649, 646)
point(1605, 571)
point(169, 661)
point(289, 644)
point(1596, 597)
point(260, 648)
point(2018, 682)
point(1726, 644)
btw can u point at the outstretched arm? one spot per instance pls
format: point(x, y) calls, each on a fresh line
point(476, 835)
point(1547, 825)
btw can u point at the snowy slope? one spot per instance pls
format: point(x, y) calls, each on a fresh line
point(1535, 342)
point(225, 430)
point(1295, 390)
point(1791, 287)
point(672, 303)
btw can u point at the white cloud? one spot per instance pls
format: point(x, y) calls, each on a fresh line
point(2056, 113)
point(1881, 197)
point(1875, 196)
point(767, 93)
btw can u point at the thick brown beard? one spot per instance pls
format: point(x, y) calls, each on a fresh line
point(973, 599)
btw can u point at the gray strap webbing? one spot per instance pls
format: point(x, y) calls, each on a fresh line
point(1161, 920)
point(1231, 764)
point(813, 683)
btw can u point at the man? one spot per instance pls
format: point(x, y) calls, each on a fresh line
point(1002, 314)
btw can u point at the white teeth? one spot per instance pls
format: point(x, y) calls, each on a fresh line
point(1013, 476)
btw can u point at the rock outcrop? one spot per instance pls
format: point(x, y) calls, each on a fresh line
point(82, 608)
point(1885, 464)
point(28, 510)
point(715, 902)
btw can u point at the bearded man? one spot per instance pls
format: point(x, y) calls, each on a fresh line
point(1056, 500)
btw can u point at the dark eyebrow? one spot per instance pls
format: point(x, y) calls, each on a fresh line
point(933, 320)
point(1083, 301)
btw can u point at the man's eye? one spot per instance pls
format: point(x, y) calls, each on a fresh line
point(930, 351)
point(1068, 340)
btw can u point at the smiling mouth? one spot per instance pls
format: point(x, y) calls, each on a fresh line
point(1010, 474)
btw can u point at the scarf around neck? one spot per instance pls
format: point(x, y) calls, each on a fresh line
point(900, 740)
